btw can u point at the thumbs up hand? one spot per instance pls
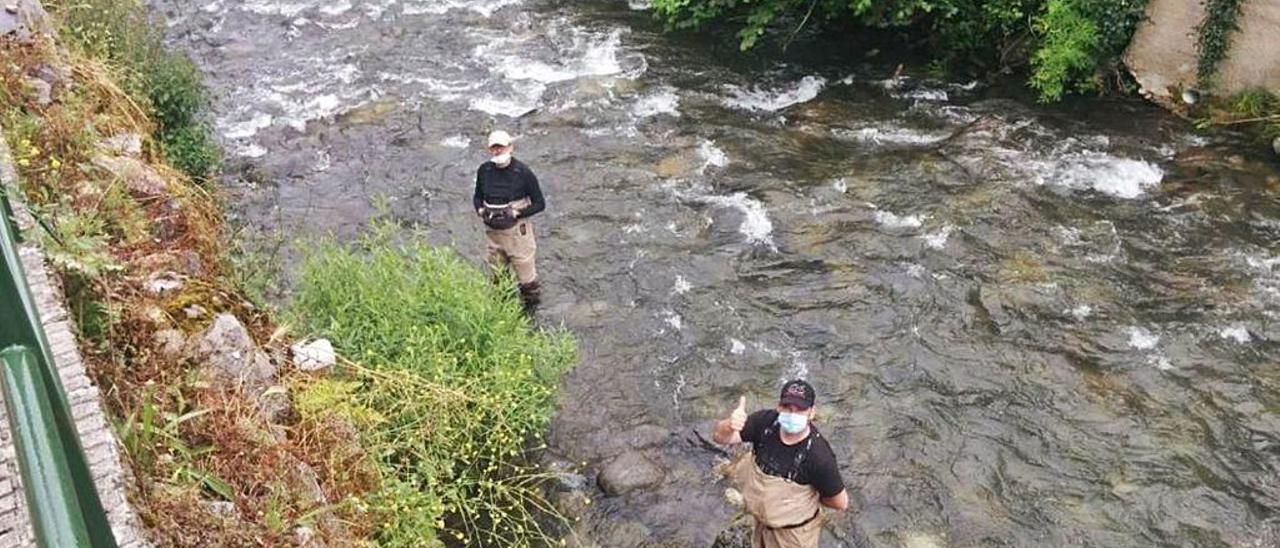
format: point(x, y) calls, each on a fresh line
point(738, 418)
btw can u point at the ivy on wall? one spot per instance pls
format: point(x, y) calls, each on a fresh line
point(1213, 37)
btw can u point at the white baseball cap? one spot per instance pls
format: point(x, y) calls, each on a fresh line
point(500, 137)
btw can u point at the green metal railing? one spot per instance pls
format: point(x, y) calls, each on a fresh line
point(61, 497)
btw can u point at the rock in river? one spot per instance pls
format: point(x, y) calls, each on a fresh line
point(628, 472)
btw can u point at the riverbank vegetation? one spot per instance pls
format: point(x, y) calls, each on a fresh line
point(96, 124)
point(1066, 46)
point(426, 431)
point(453, 390)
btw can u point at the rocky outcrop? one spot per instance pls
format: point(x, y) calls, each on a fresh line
point(230, 353)
point(23, 20)
point(1163, 53)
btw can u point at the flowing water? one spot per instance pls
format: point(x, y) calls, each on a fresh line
point(1028, 326)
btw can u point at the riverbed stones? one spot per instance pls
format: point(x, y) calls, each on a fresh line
point(737, 535)
point(573, 504)
point(1275, 145)
point(628, 472)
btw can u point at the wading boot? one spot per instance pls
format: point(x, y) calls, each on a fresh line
point(531, 294)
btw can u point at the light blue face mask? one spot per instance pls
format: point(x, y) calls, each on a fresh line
point(793, 423)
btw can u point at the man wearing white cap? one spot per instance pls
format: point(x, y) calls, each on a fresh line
point(507, 195)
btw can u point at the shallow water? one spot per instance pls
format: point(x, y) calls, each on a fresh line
point(1028, 326)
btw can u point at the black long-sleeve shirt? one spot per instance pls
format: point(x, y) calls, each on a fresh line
point(499, 185)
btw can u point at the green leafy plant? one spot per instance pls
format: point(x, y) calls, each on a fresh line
point(165, 81)
point(453, 389)
point(1069, 43)
point(1213, 38)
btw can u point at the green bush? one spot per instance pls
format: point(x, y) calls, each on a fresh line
point(1069, 43)
point(167, 83)
point(453, 388)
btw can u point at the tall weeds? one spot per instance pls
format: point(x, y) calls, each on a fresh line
point(453, 390)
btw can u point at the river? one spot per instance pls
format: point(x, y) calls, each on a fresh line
point(1027, 325)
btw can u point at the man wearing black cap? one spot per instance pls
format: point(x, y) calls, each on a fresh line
point(790, 471)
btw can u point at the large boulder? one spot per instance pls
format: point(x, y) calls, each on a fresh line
point(1163, 54)
point(227, 350)
point(137, 176)
point(628, 472)
point(23, 20)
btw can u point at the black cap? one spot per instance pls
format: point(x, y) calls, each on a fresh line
point(798, 393)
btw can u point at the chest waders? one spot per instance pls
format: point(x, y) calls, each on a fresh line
point(787, 514)
point(510, 243)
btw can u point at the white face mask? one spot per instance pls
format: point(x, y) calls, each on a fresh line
point(502, 160)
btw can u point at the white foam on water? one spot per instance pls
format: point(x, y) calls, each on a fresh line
point(1160, 362)
point(1104, 173)
point(681, 286)
point(938, 240)
point(591, 54)
point(663, 101)
point(513, 107)
point(756, 99)
point(1142, 339)
point(1080, 313)
point(1237, 333)
point(456, 141)
point(880, 135)
point(337, 8)
point(639, 5)
point(736, 347)
point(799, 368)
point(441, 90)
point(439, 7)
point(916, 270)
point(276, 7)
point(841, 185)
point(247, 128)
point(924, 94)
point(889, 219)
point(674, 320)
point(756, 226)
point(323, 161)
point(712, 156)
point(251, 150)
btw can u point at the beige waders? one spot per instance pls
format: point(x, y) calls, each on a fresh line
point(515, 247)
point(787, 514)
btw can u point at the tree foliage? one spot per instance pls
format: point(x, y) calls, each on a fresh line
point(1068, 43)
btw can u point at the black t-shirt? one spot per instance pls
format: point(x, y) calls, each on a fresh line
point(500, 185)
point(810, 462)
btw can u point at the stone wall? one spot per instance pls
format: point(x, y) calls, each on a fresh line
point(1162, 55)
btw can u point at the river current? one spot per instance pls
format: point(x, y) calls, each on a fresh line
point(1027, 325)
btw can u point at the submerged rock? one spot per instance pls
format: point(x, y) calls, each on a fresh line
point(737, 535)
point(628, 472)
